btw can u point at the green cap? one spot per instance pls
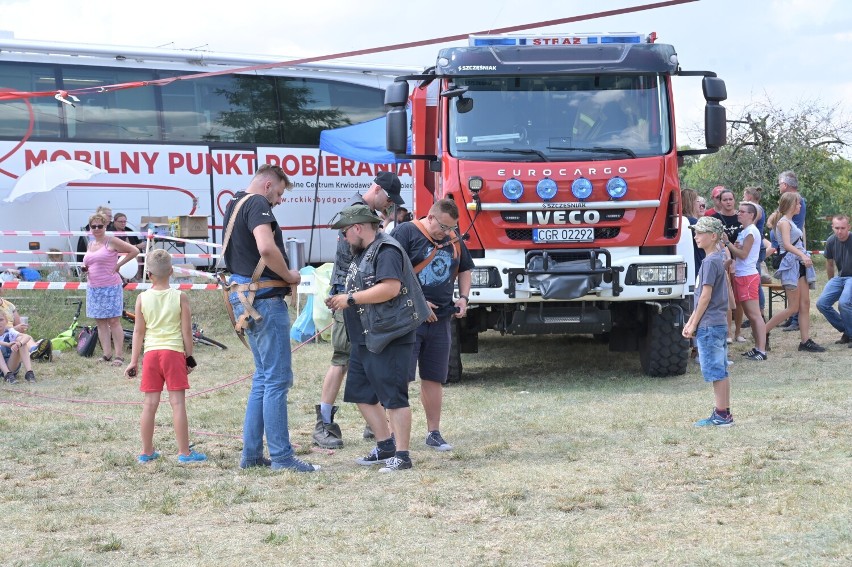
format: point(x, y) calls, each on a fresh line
point(708, 224)
point(356, 214)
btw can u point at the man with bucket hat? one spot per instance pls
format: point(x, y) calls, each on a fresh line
point(384, 191)
point(382, 305)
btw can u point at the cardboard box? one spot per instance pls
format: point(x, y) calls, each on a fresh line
point(189, 226)
point(156, 220)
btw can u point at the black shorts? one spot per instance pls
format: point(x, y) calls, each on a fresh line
point(432, 351)
point(379, 378)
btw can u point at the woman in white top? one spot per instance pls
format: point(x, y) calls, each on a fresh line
point(746, 281)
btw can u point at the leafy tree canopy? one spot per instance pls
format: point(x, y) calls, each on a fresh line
point(766, 140)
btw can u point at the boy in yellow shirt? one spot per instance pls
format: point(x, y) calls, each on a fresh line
point(163, 325)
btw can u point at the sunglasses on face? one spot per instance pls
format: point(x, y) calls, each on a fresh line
point(97, 226)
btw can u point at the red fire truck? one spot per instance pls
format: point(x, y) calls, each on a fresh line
point(560, 152)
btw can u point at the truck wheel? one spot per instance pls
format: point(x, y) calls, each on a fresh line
point(663, 350)
point(455, 370)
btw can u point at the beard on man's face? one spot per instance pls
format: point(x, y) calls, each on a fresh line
point(357, 248)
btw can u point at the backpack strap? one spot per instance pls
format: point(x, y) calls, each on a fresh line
point(454, 241)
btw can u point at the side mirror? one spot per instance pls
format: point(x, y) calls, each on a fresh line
point(397, 131)
point(464, 105)
point(714, 89)
point(715, 127)
point(396, 94)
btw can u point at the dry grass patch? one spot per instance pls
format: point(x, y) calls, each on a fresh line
point(565, 455)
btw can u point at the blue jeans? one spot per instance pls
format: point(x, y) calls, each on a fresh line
point(266, 411)
point(837, 290)
point(712, 352)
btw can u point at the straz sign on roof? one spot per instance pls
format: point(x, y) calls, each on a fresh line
point(569, 39)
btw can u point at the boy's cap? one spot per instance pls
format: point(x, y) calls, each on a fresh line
point(355, 214)
point(389, 181)
point(708, 224)
point(717, 190)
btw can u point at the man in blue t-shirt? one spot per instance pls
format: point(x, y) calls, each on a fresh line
point(439, 256)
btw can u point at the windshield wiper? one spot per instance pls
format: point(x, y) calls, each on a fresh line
point(524, 151)
point(627, 151)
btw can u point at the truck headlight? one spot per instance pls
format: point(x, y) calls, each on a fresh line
point(485, 277)
point(656, 274)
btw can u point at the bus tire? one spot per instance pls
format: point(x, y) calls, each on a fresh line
point(663, 351)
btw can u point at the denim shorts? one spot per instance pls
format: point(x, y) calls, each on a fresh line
point(713, 352)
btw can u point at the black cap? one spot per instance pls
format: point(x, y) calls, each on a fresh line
point(389, 181)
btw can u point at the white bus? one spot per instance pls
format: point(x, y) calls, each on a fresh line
point(184, 148)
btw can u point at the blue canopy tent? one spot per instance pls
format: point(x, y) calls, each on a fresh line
point(364, 142)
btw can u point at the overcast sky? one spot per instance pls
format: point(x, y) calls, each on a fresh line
point(785, 50)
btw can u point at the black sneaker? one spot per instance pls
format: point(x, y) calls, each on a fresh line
point(844, 339)
point(437, 442)
point(11, 378)
point(746, 324)
point(810, 346)
point(29, 376)
point(757, 355)
point(396, 464)
point(748, 353)
point(786, 323)
point(376, 457)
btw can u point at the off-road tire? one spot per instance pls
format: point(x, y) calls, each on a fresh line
point(663, 351)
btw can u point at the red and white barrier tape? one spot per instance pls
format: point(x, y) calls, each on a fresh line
point(44, 253)
point(64, 233)
point(84, 285)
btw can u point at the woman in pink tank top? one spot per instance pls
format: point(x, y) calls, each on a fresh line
point(104, 296)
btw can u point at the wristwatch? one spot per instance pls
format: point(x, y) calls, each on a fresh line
point(466, 298)
point(351, 300)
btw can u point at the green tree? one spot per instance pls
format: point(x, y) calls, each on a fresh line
point(766, 140)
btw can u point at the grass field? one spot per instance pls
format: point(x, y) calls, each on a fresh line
point(565, 455)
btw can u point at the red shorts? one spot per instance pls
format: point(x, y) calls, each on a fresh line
point(746, 288)
point(164, 367)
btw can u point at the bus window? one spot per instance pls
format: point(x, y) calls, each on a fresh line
point(126, 114)
point(15, 115)
point(309, 106)
point(228, 108)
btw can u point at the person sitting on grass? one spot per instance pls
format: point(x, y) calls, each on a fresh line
point(12, 344)
point(163, 326)
point(38, 349)
point(708, 322)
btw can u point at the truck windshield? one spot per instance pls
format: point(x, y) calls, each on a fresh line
point(560, 118)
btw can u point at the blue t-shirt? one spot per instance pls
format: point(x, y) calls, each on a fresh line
point(437, 278)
